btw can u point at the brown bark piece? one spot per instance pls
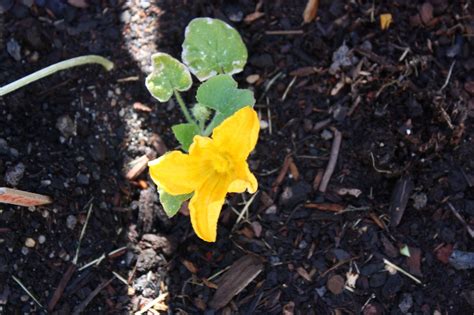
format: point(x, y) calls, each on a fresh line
point(240, 274)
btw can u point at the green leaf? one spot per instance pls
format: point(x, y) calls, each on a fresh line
point(221, 94)
point(212, 47)
point(171, 204)
point(185, 134)
point(167, 76)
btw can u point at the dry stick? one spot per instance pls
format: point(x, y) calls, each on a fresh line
point(74, 261)
point(461, 219)
point(336, 144)
point(78, 310)
point(61, 286)
point(27, 291)
point(449, 76)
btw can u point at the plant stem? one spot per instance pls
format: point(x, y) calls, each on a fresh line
point(184, 109)
point(74, 62)
point(211, 125)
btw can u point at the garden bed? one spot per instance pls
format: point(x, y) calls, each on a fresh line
point(401, 100)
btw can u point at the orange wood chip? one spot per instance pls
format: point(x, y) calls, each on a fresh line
point(22, 198)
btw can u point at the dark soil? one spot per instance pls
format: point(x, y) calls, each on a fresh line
point(407, 145)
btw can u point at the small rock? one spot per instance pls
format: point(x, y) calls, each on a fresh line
point(24, 250)
point(462, 260)
point(419, 200)
point(297, 193)
point(342, 58)
point(29, 242)
point(336, 284)
point(98, 152)
point(257, 228)
point(159, 242)
point(14, 49)
point(71, 222)
point(406, 303)
point(15, 174)
point(262, 61)
point(271, 210)
point(66, 126)
point(41, 239)
point(147, 260)
point(234, 13)
point(253, 78)
point(4, 149)
point(392, 286)
point(82, 179)
point(326, 135)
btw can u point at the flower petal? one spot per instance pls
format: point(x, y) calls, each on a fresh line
point(244, 180)
point(178, 173)
point(206, 204)
point(238, 134)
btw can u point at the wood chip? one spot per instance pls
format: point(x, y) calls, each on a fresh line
point(141, 107)
point(426, 12)
point(138, 166)
point(304, 274)
point(400, 195)
point(22, 198)
point(190, 266)
point(239, 275)
point(306, 71)
point(443, 253)
point(333, 207)
point(414, 262)
point(253, 17)
point(311, 11)
point(294, 170)
point(61, 286)
point(336, 284)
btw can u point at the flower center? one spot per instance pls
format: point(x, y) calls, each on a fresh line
point(221, 163)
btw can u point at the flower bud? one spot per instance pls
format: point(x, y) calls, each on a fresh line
point(201, 112)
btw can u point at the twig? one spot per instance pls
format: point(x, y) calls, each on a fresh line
point(102, 257)
point(61, 286)
point(449, 76)
point(288, 88)
point(74, 261)
point(27, 292)
point(80, 308)
point(285, 32)
point(388, 263)
point(336, 144)
point(461, 219)
point(375, 167)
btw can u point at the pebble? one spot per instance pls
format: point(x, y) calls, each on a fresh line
point(462, 260)
point(66, 126)
point(253, 78)
point(83, 179)
point(377, 280)
point(297, 193)
point(406, 303)
point(326, 134)
point(14, 49)
point(29, 242)
point(71, 222)
point(25, 250)
point(41, 239)
point(419, 200)
point(4, 149)
point(15, 174)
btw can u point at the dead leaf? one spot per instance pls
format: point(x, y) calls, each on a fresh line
point(385, 21)
point(311, 11)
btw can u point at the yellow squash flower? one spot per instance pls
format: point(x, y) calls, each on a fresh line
point(214, 166)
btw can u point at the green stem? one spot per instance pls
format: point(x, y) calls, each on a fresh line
point(213, 124)
point(66, 64)
point(184, 109)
